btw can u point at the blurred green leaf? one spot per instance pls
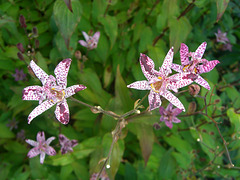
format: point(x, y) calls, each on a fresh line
point(66, 20)
point(221, 7)
point(15, 147)
point(146, 39)
point(66, 171)
point(5, 132)
point(234, 118)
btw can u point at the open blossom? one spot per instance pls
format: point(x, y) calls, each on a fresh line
point(196, 65)
point(66, 144)
point(53, 91)
point(221, 37)
point(159, 83)
point(19, 75)
point(169, 114)
point(41, 146)
point(91, 41)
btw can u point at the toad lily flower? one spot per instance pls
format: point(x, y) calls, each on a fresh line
point(41, 146)
point(66, 144)
point(51, 93)
point(196, 65)
point(158, 82)
point(91, 41)
point(169, 115)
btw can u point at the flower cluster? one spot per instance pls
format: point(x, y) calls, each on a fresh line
point(222, 38)
point(160, 83)
point(53, 91)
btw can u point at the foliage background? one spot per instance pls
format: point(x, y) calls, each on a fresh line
point(127, 28)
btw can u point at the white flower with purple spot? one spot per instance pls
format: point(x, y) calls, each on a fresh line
point(196, 65)
point(169, 114)
point(54, 91)
point(159, 83)
point(91, 41)
point(41, 146)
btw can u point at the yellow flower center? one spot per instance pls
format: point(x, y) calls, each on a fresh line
point(58, 94)
point(157, 85)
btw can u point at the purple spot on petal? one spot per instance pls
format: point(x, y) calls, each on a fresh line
point(62, 108)
point(145, 65)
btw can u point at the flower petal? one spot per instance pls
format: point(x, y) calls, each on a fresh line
point(179, 80)
point(74, 142)
point(50, 151)
point(167, 63)
point(32, 142)
point(31, 93)
point(41, 136)
point(41, 75)
point(73, 90)
point(141, 85)
point(207, 67)
point(49, 140)
point(177, 67)
point(33, 152)
point(61, 72)
point(161, 111)
point(176, 111)
point(200, 51)
point(154, 100)
point(85, 36)
point(62, 139)
point(62, 112)
point(169, 107)
point(147, 66)
point(96, 36)
point(176, 120)
point(83, 43)
point(202, 82)
point(42, 157)
point(169, 124)
point(184, 54)
point(173, 99)
point(40, 109)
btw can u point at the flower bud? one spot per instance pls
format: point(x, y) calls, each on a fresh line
point(35, 32)
point(216, 101)
point(22, 21)
point(36, 43)
point(194, 89)
point(20, 56)
point(156, 126)
point(192, 107)
point(78, 55)
point(20, 47)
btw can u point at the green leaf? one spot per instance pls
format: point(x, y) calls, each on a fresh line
point(111, 28)
point(179, 30)
point(42, 62)
point(234, 95)
point(221, 7)
point(66, 20)
point(234, 119)
point(66, 171)
point(15, 147)
point(5, 132)
point(146, 39)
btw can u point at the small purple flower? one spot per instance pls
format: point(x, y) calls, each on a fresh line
point(196, 65)
point(21, 135)
point(169, 115)
point(103, 176)
point(53, 91)
point(227, 47)
point(159, 83)
point(41, 146)
point(19, 75)
point(66, 144)
point(221, 37)
point(12, 124)
point(91, 41)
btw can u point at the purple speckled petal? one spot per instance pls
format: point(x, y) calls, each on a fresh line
point(42, 157)
point(169, 124)
point(33, 152)
point(167, 63)
point(177, 67)
point(179, 80)
point(83, 43)
point(147, 66)
point(49, 140)
point(40, 136)
point(176, 120)
point(161, 111)
point(31, 93)
point(202, 82)
point(31, 142)
point(207, 67)
point(173, 99)
point(200, 51)
point(41, 75)
point(154, 100)
point(73, 90)
point(176, 111)
point(96, 36)
point(62, 112)
point(74, 143)
point(61, 72)
point(62, 139)
point(169, 107)
point(40, 109)
point(50, 151)
point(184, 54)
point(141, 85)
point(85, 36)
